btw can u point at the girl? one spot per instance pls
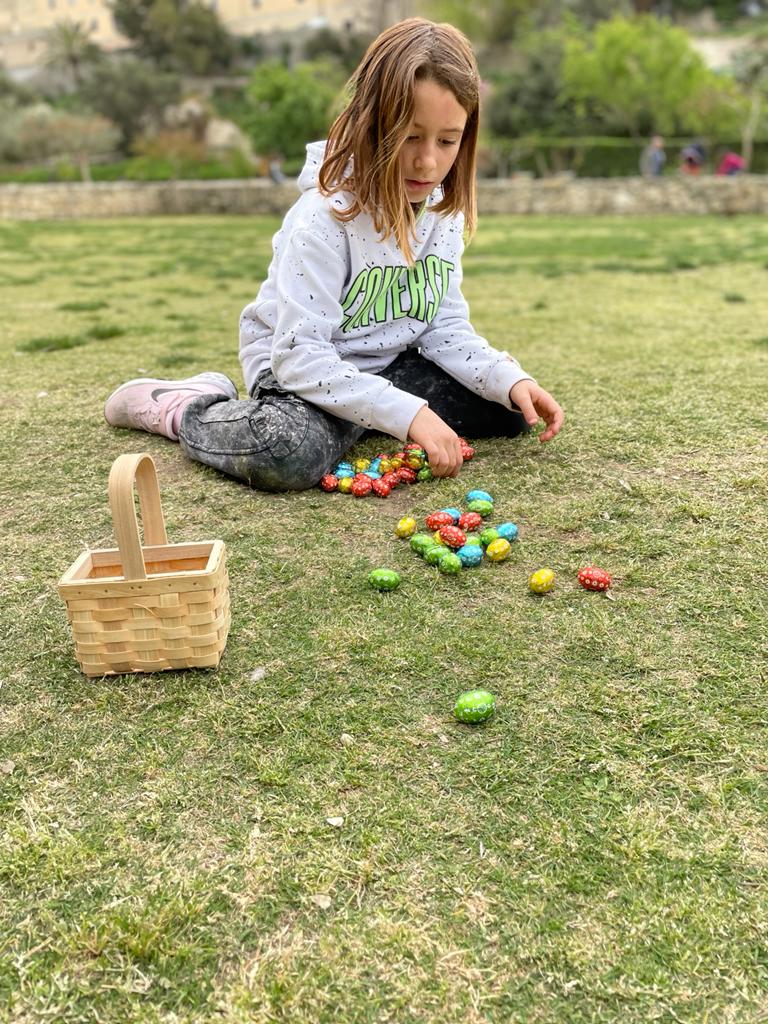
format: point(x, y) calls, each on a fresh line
point(361, 323)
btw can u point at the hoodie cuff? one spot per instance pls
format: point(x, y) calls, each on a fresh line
point(503, 376)
point(394, 410)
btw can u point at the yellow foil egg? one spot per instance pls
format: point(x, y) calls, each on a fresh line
point(361, 465)
point(345, 484)
point(384, 466)
point(499, 549)
point(406, 527)
point(542, 581)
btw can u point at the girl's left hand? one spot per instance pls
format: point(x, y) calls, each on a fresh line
point(535, 403)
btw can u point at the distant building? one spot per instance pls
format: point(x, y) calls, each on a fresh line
point(25, 23)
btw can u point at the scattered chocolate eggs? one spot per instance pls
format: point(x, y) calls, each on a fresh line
point(437, 519)
point(479, 496)
point(470, 555)
point(481, 506)
point(449, 564)
point(507, 530)
point(452, 536)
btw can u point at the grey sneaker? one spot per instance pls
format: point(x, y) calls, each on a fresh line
point(157, 405)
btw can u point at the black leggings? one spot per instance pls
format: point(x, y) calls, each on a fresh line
point(275, 441)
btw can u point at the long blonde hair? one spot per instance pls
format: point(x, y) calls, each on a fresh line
point(364, 143)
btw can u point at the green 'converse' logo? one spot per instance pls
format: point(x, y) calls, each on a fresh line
point(391, 293)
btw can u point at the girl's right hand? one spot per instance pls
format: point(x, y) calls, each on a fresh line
point(439, 442)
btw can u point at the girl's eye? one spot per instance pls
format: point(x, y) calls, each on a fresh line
point(448, 142)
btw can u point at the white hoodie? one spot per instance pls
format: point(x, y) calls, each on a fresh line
point(339, 305)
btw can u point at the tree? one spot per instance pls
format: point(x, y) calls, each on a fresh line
point(288, 108)
point(69, 48)
point(185, 36)
point(131, 93)
point(643, 76)
point(39, 132)
point(751, 69)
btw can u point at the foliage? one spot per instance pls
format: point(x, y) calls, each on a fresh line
point(131, 93)
point(492, 22)
point(185, 36)
point(642, 75)
point(38, 133)
point(71, 49)
point(345, 48)
point(288, 108)
point(530, 99)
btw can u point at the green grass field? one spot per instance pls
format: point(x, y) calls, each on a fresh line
point(596, 852)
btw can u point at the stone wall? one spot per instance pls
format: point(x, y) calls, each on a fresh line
point(678, 195)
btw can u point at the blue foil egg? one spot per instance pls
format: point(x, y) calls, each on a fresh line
point(453, 512)
point(372, 474)
point(342, 473)
point(375, 465)
point(470, 555)
point(479, 496)
point(507, 530)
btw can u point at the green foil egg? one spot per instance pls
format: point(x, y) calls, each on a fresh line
point(449, 564)
point(488, 536)
point(420, 542)
point(424, 474)
point(474, 706)
point(479, 505)
point(433, 555)
point(384, 579)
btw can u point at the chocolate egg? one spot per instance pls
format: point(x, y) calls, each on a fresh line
point(361, 486)
point(508, 531)
point(345, 484)
point(470, 521)
point(424, 475)
point(384, 579)
point(329, 482)
point(361, 465)
point(488, 536)
point(479, 496)
point(470, 555)
point(467, 452)
point(481, 506)
point(381, 488)
point(449, 564)
point(437, 519)
point(406, 475)
point(474, 706)
point(473, 540)
point(592, 578)
point(406, 527)
point(542, 581)
point(420, 542)
point(452, 536)
point(433, 555)
point(498, 549)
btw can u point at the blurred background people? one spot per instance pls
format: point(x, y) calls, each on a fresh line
point(653, 158)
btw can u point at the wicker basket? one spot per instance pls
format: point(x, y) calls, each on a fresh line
point(146, 608)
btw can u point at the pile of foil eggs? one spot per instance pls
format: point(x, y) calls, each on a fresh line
point(381, 474)
point(460, 540)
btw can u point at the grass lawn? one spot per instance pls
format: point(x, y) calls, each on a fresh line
point(596, 852)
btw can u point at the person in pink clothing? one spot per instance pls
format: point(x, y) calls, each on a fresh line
point(731, 164)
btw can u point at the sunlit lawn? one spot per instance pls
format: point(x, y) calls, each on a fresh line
point(596, 852)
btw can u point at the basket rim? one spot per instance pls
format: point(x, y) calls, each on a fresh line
point(215, 557)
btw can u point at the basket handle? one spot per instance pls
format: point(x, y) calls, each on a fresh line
point(127, 470)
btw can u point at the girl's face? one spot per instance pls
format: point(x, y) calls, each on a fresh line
point(434, 138)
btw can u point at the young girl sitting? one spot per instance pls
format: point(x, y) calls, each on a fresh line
point(361, 323)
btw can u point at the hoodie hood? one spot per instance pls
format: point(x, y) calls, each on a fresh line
point(311, 170)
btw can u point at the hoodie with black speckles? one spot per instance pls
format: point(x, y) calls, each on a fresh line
point(339, 304)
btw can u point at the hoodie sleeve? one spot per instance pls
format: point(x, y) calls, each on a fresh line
point(452, 343)
point(305, 361)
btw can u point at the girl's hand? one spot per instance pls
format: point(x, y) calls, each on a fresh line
point(535, 403)
point(439, 442)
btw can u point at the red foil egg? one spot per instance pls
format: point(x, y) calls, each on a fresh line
point(467, 452)
point(438, 519)
point(592, 578)
point(453, 536)
point(391, 479)
point(329, 482)
point(362, 486)
point(381, 488)
point(470, 520)
point(406, 475)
